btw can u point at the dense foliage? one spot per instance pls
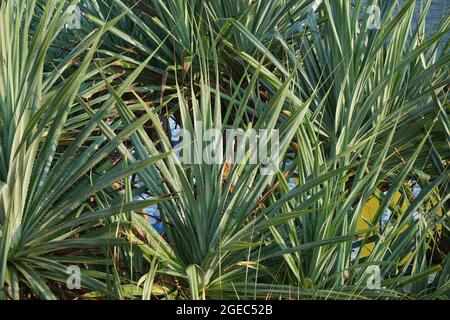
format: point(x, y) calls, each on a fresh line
point(86, 146)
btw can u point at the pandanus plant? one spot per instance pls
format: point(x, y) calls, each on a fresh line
point(346, 113)
point(362, 117)
point(44, 189)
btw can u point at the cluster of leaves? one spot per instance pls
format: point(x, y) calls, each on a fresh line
point(362, 115)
